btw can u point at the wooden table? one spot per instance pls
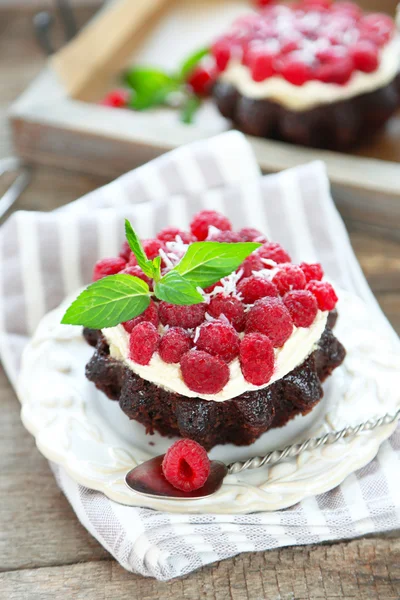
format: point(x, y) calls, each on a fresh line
point(46, 554)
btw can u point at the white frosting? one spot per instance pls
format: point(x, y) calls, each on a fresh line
point(314, 93)
point(300, 344)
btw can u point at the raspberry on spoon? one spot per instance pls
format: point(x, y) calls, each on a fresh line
point(186, 465)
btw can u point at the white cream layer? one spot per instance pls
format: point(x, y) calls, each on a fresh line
point(314, 93)
point(168, 376)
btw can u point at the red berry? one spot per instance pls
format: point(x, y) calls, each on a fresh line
point(212, 287)
point(294, 70)
point(132, 260)
point(174, 343)
point(152, 248)
point(143, 342)
point(250, 264)
point(201, 80)
point(116, 99)
point(273, 251)
point(150, 315)
point(338, 71)
point(229, 306)
point(187, 317)
point(365, 56)
point(222, 53)
point(257, 358)
point(377, 27)
point(169, 234)
point(288, 46)
point(219, 339)
point(302, 307)
point(125, 251)
point(253, 288)
point(347, 8)
point(248, 234)
point(315, 4)
point(203, 373)
point(270, 317)
point(289, 277)
point(108, 266)
point(224, 236)
point(324, 294)
point(312, 271)
point(136, 271)
point(186, 465)
point(261, 63)
point(204, 219)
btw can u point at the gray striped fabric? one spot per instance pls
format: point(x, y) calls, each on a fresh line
point(45, 256)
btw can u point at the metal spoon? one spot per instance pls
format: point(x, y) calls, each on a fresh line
point(148, 480)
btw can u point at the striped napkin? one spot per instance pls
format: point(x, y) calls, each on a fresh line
point(45, 256)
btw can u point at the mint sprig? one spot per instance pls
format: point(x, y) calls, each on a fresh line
point(119, 298)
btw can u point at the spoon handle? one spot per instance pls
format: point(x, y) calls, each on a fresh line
point(276, 456)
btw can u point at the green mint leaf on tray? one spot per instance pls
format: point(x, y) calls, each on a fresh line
point(136, 246)
point(189, 109)
point(151, 87)
point(173, 288)
point(206, 263)
point(108, 302)
point(191, 62)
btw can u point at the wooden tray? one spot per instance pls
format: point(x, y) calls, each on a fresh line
point(56, 121)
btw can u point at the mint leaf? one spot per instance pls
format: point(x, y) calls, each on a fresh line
point(173, 288)
point(147, 79)
point(136, 246)
point(206, 263)
point(191, 62)
point(157, 268)
point(189, 109)
point(108, 302)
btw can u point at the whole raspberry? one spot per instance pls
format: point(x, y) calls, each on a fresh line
point(253, 288)
point(229, 306)
point(261, 63)
point(273, 251)
point(116, 98)
point(337, 71)
point(136, 271)
point(169, 235)
point(224, 236)
point(312, 271)
point(125, 251)
point(187, 317)
point(108, 266)
point(186, 465)
point(201, 80)
point(173, 345)
point(248, 234)
point(377, 27)
point(219, 339)
point(294, 70)
point(270, 317)
point(204, 219)
point(221, 51)
point(250, 264)
point(203, 373)
point(289, 277)
point(365, 55)
point(302, 307)
point(150, 315)
point(143, 342)
point(324, 294)
point(257, 358)
point(132, 262)
point(152, 247)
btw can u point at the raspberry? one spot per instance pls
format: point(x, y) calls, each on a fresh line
point(229, 306)
point(222, 53)
point(315, 4)
point(248, 234)
point(150, 315)
point(294, 70)
point(270, 317)
point(365, 56)
point(212, 287)
point(324, 294)
point(169, 235)
point(224, 236)
point(261, 64)
point(219, 339)
point(143, 342)
point(108, 266)
point(253, 288)
point(257, 358)
point(174, 343)
point(273, 251)
point(187, 317)
point(250, 264)
point(204, 219)
point(289, 277)
point(132, 260)
point(125, 251)
point(377, 27)
point(201, 80)
point(116, 99)
point(302, 307)
point(347, 8)
point(312, 271)
point(186, 465)
point(136, 271)
point(203, 373)
point(337, 71)
point(152, 247)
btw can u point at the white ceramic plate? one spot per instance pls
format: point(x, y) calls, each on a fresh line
point(79, 428)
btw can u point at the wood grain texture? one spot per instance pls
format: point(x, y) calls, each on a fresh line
point(46, 554)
